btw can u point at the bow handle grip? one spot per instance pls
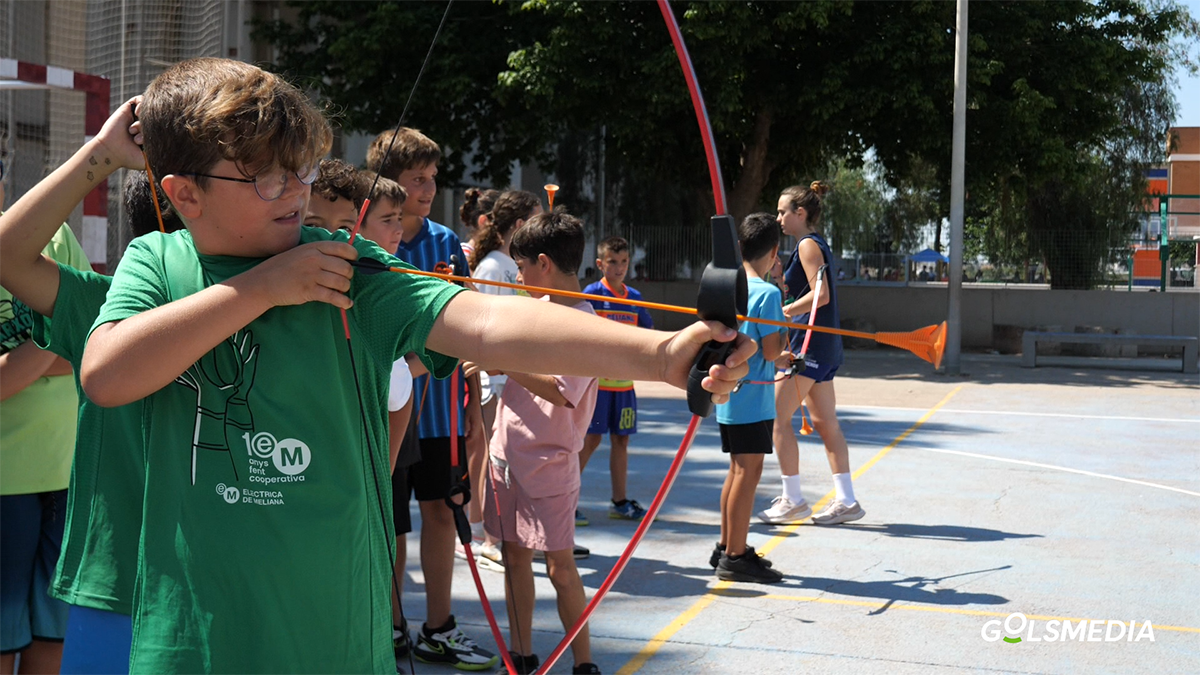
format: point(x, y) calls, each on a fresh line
point(723, 296)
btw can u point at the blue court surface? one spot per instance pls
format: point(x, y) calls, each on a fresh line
point(1058, 493)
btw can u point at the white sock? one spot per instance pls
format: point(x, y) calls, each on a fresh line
point(791, 489)
point(843, 488)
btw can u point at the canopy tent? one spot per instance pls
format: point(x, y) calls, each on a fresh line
point(928, 256)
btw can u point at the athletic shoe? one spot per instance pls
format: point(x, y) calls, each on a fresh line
point(580, 519)
point(715, 558)
point(784, 511)
point(586, 669)
point(626, 510)
point(578, 552)
point(490, 558)
point(746, 567)
point(452, 647)
point(838, 512)
point(401, 640)
point(525, 665)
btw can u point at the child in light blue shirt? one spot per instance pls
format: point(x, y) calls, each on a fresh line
point(747, 419)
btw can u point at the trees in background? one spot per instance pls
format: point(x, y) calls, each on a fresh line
point(1067, 103)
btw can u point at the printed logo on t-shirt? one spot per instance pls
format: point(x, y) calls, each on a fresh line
point(222, 380)
point(16, 322)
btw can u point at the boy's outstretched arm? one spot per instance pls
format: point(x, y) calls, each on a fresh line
point(130, 359)
point(31, 223)
point(524, 335)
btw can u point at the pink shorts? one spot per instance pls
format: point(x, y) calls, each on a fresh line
point(541, 524)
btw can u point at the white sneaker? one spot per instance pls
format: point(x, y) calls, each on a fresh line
point(490, 558)
point(784, 511)
point(461, 554)
point(838, 512)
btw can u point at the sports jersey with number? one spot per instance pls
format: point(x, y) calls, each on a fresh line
point(621, 313)
point(263, 548)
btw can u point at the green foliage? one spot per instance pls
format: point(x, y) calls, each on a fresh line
point(1067, 102)
point(363, 58)
point(853, 211)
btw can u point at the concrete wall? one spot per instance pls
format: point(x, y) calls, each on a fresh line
point(993, 317)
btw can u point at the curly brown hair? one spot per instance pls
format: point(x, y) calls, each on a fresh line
point(339, 179)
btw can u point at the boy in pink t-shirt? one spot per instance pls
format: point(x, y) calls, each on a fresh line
point(533, 486)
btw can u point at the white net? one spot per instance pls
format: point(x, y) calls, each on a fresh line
point(127, 41)
point(135, 41)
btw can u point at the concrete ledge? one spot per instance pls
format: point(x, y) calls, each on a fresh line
point(1031, 339)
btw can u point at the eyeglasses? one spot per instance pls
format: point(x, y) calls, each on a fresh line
point(269, 186)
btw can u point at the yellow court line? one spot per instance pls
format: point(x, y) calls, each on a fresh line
point(651, 648)
point(925, 608)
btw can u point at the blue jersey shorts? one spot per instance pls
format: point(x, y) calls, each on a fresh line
point(818, 372)
point(31, 532)
point(97, 642)
point(616, 413)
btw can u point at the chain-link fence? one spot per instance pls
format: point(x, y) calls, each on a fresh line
point(1125, 262)
point(129, 42)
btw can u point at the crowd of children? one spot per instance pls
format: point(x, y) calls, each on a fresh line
point(254, 418)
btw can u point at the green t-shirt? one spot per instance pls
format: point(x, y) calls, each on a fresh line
point(98, 562)
point(263, 546)
point(37, 425)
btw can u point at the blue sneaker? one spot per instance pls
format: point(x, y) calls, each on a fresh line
point(627, 509)
point(580, 519)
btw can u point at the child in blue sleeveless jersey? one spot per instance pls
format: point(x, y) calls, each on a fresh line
point(799, 213)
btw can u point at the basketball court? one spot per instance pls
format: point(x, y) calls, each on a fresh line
point(1060, 493)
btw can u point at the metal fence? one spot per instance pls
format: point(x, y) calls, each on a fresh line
point(681, 253)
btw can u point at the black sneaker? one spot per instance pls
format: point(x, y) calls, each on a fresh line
point(525, 665)
point(750, 549)
point(747, 567)
point(401, 640)
point(585, 669)
point(715, 558)
point(452, 647)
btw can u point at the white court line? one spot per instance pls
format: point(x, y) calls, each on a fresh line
point(1051, 466)
point(1029, 414)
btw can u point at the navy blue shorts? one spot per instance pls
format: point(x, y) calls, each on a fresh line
point(97, 642)
point(31, 532)
point(818, 372)
point(616, 413)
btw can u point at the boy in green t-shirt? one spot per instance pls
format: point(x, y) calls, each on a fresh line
point(96, 569)
point(264, 546)
point(37, 435)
